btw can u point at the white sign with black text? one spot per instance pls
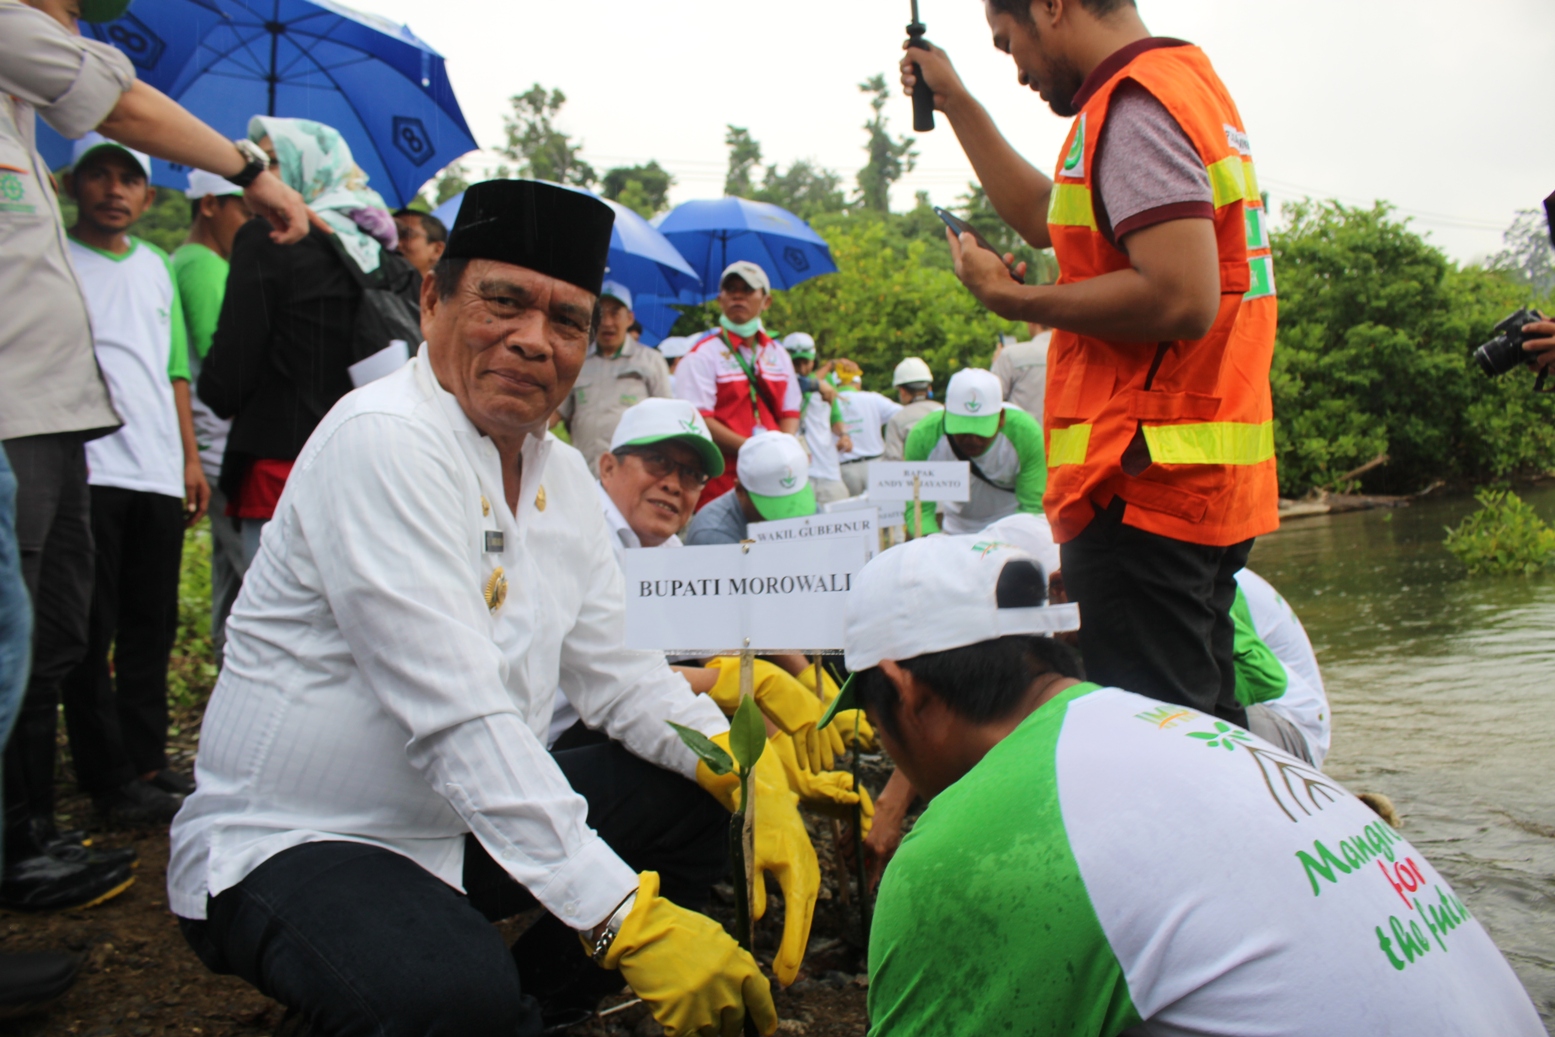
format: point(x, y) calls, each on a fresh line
point(770, 597)
point(863, 523)
point(937, 480)
point(890, 513)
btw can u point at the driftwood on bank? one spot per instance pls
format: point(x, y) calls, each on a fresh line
point(1325, 503)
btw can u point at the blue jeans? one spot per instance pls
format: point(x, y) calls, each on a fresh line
point(15, 609)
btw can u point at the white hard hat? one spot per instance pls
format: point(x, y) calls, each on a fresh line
point(913, 369)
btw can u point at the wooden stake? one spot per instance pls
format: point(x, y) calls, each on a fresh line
point(748, 801)
point(917, 507)
point(844, 893)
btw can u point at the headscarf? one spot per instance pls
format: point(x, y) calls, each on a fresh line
point(315, 160)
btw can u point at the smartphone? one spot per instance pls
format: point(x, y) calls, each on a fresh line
point(959, 227)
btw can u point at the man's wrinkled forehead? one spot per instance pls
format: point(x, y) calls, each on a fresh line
point(494, 279)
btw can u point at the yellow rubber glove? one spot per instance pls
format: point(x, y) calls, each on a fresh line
point(849, 725)
point(782, 699)
point(691, 973)
point(830, 792)
point(783, 850)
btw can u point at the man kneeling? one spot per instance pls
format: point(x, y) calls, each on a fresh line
point(373, 785)
point(1093, 861)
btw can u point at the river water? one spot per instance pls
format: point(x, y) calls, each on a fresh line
point(1443, 694)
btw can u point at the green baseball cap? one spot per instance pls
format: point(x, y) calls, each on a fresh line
point(974, 399)
point(655, 420)
point(775, 472)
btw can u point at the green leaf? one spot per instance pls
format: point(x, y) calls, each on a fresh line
point(707, 750)
point(747, 734)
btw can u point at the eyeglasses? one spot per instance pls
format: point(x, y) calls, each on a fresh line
point(660, 466)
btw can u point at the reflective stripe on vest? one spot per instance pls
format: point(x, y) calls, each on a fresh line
point(1069, 205)
point(1068, 445)
point(1210, 442)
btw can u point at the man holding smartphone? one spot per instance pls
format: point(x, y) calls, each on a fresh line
point(1159, 425)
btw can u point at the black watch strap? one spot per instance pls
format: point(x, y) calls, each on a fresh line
point(258, 162)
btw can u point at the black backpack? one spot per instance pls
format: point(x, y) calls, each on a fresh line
point(391, 304)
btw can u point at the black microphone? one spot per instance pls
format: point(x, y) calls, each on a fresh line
point(922, 94)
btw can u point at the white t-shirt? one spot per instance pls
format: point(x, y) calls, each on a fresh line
point(138, 333)
point(1305, 702)
point(864, 415)
point(1120, 865)
point(815, 427)
point(563, 714)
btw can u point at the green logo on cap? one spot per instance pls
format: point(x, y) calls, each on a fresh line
point(972, 404)
point(986, 547)
point(690, 425)
point(788, 479)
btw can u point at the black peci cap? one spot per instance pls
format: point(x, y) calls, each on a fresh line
point(555, 231)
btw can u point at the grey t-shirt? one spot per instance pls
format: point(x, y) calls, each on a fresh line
point(49, 380)
point(721, 522)
point(1147, 171)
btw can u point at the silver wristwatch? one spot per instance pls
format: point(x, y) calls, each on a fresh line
point(607, 935)
point(257, 160)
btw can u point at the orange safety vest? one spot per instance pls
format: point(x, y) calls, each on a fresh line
point(1202, 407)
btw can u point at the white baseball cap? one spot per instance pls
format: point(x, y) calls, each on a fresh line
point(944, 592)
point(799, 344)
point(748, 272)
point(94, 141)
point(202, 183)
point(775, 471)
point(675, 347)
point(1029, 533)
point(617, 291)
point(913, 369)
point(656, 419)
point(973, 402)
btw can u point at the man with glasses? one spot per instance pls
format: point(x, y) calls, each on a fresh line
point(741, 380)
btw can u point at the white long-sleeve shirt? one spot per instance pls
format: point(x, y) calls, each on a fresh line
point(371, 695)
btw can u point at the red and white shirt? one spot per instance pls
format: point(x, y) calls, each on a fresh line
point(716, 382)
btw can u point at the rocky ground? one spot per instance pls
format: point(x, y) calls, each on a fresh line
point(140, 978)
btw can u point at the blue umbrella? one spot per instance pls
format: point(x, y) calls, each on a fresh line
point(713, 233)
point(385, 90)
point(640, 258)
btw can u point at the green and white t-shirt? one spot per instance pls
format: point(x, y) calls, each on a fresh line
point(202, 285)
point(1118, 865)
point(1275, 664)
point(1015, 465)
point(138, 333)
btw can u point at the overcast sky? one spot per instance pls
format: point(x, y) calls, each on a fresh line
point(1444, 109)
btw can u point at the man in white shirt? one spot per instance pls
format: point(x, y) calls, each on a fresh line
point(436, 567)
point(864, 417)
point(146, 484)
point(820, 419)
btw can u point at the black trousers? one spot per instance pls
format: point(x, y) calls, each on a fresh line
point(54, 535)
point(360, 940)
point(117, 718)
point(1155, 613)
